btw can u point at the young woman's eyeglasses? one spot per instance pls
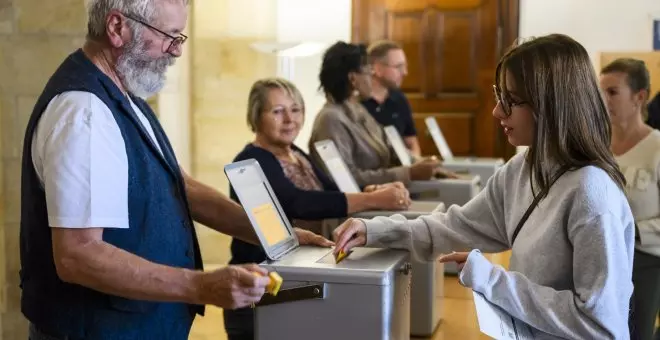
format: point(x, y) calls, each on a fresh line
point(507, 104)
point(176, 41)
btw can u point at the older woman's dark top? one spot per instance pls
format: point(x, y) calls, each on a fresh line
point(298, 204)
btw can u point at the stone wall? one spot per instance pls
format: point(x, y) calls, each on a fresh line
point(224, 66)
point(35, 36)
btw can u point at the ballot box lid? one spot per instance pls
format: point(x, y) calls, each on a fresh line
point(365, 266)
point(476, 161)
point(266, 215)
point(336, 166)
point(415, 210)
point(396, 141)
point(438, 138)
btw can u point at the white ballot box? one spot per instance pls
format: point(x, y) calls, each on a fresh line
point(482, 166)
point(365, 296)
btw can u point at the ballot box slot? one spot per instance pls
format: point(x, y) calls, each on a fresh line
point(308, 292)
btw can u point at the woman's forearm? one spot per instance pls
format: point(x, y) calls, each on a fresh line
point(358, 202)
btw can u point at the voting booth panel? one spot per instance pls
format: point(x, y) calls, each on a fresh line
point(482, 166)
point(367, 295)
point(448, 191)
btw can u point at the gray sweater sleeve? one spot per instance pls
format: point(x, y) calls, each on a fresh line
point(479, 224)
point(599, 305)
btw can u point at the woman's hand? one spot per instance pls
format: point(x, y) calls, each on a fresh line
point(444, 173)
point(424, 170)
point(374, 187)
point(391, 197)
point(352, 233)
point(459, 258)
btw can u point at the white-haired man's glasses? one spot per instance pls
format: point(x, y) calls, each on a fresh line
point(176, 41)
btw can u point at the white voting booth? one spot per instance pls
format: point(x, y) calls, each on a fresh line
point(449, 191)
point(427, 277)
point(482, 166)
point(365, 296)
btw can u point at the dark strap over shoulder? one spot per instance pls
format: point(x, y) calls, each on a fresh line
point(535, 202)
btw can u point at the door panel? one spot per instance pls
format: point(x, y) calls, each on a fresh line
point(456, 63)
point(454, 126)
point(406, 28)
point(452, 48)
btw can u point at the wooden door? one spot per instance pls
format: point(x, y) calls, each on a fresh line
point(452, 47)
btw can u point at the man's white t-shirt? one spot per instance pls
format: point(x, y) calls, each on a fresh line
point(80, 158)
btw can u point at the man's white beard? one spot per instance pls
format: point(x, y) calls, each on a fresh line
point(141, 75)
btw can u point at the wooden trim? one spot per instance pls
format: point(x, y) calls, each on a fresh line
point(356, 20)
point(512, 25)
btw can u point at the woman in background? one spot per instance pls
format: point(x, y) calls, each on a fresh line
point(560, 206)
point(276, 113)
point(636, 147)
point(346, 78)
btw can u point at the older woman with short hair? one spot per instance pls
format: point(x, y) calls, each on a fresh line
point(276, 112)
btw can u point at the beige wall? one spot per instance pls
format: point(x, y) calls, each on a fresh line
point(317, 21)
point(223, 69)
point(172, 105)
point(599, 25)
point(32, 44)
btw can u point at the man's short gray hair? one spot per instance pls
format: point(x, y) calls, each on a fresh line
point(98, 10)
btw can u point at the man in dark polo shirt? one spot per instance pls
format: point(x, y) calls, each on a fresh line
point(388, 105)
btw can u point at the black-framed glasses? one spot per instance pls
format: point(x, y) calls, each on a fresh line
point(507, 104)
point(399, 67)
point(176, 41)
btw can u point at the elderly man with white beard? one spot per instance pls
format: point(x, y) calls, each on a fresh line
point(108, 246)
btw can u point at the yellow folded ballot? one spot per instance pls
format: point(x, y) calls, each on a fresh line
point(275, 283)
point(342, 255)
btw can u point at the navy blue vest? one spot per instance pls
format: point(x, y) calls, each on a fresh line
point(160, 227)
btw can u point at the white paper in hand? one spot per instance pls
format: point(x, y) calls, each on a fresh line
point(498, 324)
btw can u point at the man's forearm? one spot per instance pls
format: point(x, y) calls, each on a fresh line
point(216, 211)
point(108, 269)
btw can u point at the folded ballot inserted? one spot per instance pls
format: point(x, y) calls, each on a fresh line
point(365, 296)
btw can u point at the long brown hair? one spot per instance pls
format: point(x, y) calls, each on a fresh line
point(554, 75)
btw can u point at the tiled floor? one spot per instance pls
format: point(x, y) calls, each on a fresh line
point(458, 319)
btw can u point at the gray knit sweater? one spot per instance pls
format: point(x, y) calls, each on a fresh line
point(571, 265)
